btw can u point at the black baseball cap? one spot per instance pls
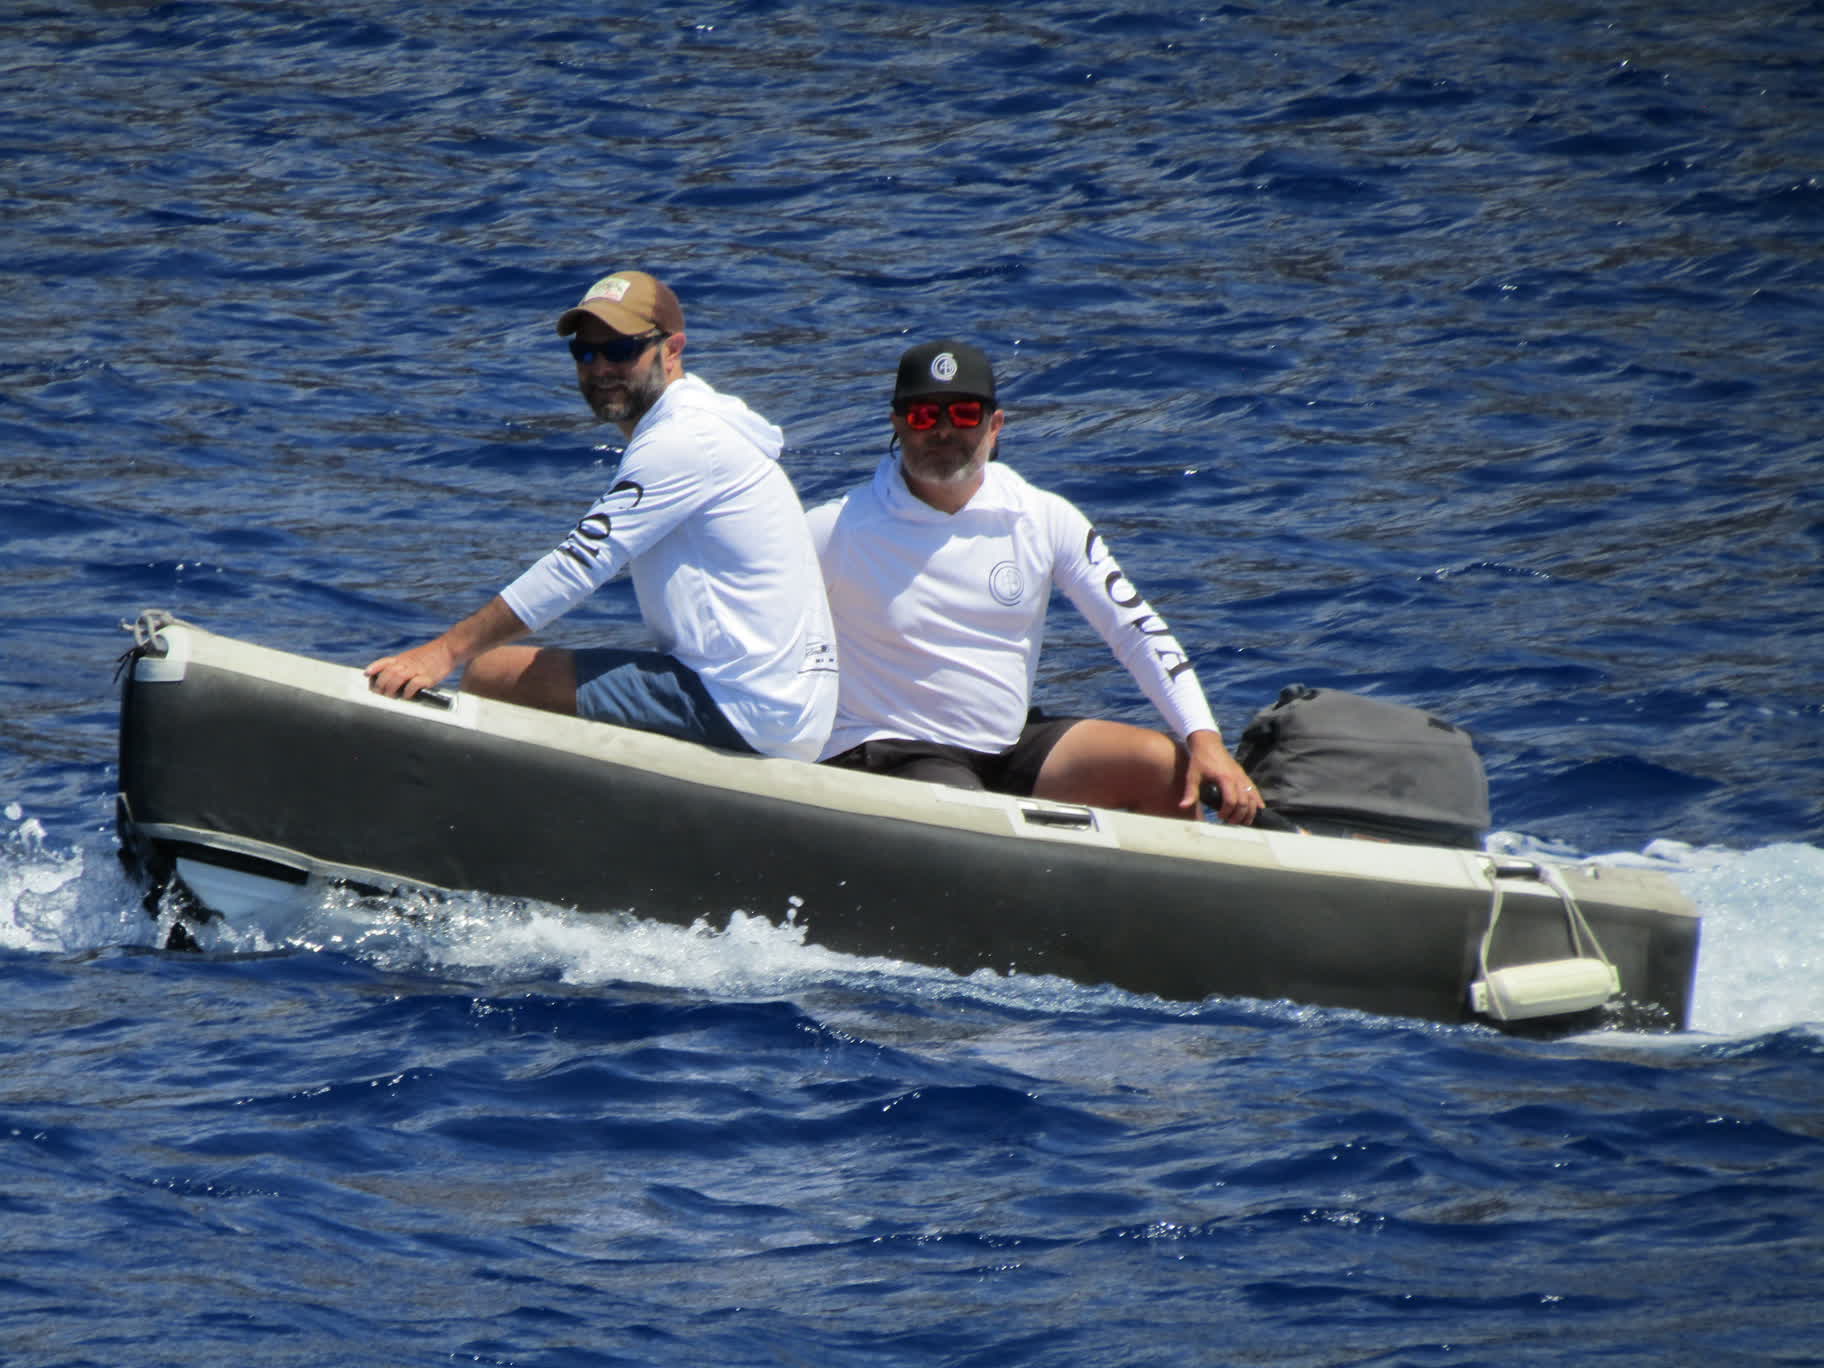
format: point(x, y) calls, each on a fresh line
point(944, 368)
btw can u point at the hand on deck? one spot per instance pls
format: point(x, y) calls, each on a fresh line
point(425, 667)
point(1211, 763)
point(407, 674)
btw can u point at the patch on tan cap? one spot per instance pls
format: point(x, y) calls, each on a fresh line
point(609, 287)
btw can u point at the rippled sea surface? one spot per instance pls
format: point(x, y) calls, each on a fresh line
point(1468, 355)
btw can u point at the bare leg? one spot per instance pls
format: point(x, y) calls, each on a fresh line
point(532, 676)
point(1113, 765)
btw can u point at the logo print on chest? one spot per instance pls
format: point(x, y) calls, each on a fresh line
point(1006, 583)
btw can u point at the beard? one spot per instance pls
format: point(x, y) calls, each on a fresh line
point(627, 400)
point(949, 460)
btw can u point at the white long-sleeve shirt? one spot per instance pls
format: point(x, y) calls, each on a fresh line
point(722, 566)
point(940, 617)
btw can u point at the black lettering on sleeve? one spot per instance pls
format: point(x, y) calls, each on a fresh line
point(587, 540)
point(1167, 657)
point(1119, 591)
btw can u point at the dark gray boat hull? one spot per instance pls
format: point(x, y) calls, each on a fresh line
point(242, 758)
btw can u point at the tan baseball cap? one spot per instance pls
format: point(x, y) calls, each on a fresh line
point(630, 302)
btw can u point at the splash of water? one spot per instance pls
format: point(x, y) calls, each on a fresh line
point(1759, 968)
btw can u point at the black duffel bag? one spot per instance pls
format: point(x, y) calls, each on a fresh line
point(1341, 764)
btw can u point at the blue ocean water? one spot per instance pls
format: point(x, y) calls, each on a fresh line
point(1464, 354)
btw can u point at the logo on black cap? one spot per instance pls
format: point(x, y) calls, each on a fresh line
point(947, 366)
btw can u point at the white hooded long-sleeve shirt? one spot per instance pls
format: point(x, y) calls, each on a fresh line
point(722, 566)
point(940, 617)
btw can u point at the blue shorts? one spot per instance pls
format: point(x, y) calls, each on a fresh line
point(651, 692)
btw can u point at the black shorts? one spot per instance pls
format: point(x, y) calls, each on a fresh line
point(1015, 770)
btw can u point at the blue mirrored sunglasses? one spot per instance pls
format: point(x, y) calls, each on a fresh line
point(617, 352)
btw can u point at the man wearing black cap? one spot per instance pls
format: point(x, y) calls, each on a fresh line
point(716, 543)
point(939, 572)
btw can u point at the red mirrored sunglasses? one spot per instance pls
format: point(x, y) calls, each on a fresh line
point(921, 415)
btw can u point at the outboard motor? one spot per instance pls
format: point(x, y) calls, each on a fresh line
point(1340, 764)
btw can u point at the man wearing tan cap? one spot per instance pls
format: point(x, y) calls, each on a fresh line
point(709, 527)
point(940, 570)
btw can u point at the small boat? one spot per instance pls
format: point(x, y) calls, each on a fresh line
point(251, 777)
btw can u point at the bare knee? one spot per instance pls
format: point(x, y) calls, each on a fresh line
point(1114, 765)
point(532, 676)
point(1156, 775)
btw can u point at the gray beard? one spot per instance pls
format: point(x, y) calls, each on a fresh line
point(961, 474)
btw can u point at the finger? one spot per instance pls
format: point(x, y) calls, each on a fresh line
point(1228, 808)
point(1247, 803)
point(388, 678)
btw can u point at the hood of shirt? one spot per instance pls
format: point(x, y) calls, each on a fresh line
point(690, 396)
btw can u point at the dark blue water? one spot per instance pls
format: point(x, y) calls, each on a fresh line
point(1466, 355)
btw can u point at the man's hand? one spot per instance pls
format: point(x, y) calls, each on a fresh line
point(407, 674)
point(1212, 764)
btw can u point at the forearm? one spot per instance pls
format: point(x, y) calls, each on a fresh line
point(424, 667)
point(493, 624)
point(1088, 573)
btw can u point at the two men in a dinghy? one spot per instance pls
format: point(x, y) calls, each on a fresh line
point(939, 572)
point(714, 536)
